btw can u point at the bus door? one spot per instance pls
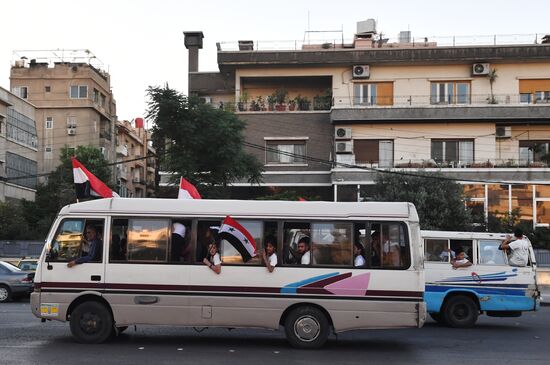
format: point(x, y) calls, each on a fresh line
point(60, 284)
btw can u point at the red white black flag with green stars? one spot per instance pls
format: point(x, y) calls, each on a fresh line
point(238, 237)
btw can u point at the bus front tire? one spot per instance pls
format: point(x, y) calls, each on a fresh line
point(306, 327)
point(91, 322)
point(461, 312)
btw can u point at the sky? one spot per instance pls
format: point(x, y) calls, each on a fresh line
point(141, 42)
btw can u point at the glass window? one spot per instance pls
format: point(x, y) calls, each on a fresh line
point(230, 255)
point(297, 243)
point(452, 92)
point(465, 246)
point(83, 91)
point(69, 242)
point(525, 98)
point(498, 199)
point(332, 243)
point(21, 169)
point(369, 151)
point(454, 152)
point(474, 191)
point(74, 92)
point(78, 91)
point(49, 122)
point(364, 94)
point(543, 212)
point(463, 93)
point(389, 246)
point(489, 254)
point(148, 239)
point(436, 250)
point(285, 152)
point(542, 191)
point(522, 199)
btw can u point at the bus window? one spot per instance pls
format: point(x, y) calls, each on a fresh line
point(148, 239)
point(69, 242)
point(230, 255)
point(119, 240)
point(331, 243)
point(180, 241)
point(436, 250)
point(463, 245)
point(207, 233)
point(296, 233)
point(390, 246)
point(489, 254)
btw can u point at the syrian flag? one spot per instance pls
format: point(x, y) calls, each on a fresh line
point(238, 237)
point(87, 185)
point(187, 190)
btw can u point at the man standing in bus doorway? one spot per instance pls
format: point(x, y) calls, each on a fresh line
point(92, 250)
point(304, 250)
point(519, 247)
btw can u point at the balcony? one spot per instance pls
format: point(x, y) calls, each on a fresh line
point(122, 150)
point(138, 181)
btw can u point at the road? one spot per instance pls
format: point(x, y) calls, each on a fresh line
point(25, 340)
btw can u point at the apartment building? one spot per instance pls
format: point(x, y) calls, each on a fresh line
point(73, 99)
point(477, 113)
point(18, 148)
point(136, 168)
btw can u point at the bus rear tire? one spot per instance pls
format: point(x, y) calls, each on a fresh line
point(461, 312)
point(91, 322)
point(306, 327)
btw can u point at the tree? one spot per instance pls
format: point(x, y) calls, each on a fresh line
point(59, 189)
point(12, 223)
point(492, 77)
point(438, 201)
point(202, 143)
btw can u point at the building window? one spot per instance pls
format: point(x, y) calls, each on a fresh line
point(450, 92)
point(453, 152)
point(96, 96)
point(79, 92)
point(48, 149)
point(71, 122)
point(102, 100)
point(285, 152)
point(364, 94)
point(534, 151)
point(21, 170)
point(373, 151)
point(49, 122)
point(21, 128)
point(47, 89)
point(525, 98)
point(21, 91)
point(542, 97)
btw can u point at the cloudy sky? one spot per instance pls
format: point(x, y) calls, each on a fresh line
point(141, 42)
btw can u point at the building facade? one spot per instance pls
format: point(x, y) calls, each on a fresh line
point(18, 148)
point(479, 114)
point(74, 103)
point(136, 168)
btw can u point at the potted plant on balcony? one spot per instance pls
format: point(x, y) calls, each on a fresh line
point(492, 76)
point(280, 97)
point(271, 102)
point(323, 102)
point(243, 100)
point(254, 106)
point(292, 104)
point(261, 103)
point(303, 102)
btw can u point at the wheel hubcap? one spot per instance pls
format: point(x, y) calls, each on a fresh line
point(90, 323)
point(461, 312)
point(307, 328)
point(3, 294)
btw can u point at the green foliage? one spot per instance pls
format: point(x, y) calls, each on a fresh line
point(290, 195)
point(12, 223)
point(438, 201)
point(201, 143)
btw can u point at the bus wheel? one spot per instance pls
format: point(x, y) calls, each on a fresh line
point(438, 317)
point(306, 328)
point(461, 312)
point(91, 322)
point(5, 294)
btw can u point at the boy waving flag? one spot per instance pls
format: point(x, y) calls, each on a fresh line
point(187, 190)
point(238, 237)
point(87, 185)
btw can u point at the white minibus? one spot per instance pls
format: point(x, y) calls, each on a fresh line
point(456, 296)
point(144, 275)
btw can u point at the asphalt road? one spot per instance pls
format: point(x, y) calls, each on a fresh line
point(25, 340)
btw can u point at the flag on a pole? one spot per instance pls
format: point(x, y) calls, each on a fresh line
point(238, 237)
point(139, 122)
point(87, 185)
point(187, 190)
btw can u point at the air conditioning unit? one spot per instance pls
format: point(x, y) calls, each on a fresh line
point(481, 69)
point(344, 147)
point(361, 71)
point(348, 159)
point(342, 133)
point(503, 132)
point(71, 131)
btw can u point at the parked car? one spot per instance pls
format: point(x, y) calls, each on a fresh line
point(14, 282)
point(28, 264)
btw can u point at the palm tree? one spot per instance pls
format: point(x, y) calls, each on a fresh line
point(492, 76)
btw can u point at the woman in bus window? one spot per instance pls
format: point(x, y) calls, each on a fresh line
point(212, 259)
point(358, 252)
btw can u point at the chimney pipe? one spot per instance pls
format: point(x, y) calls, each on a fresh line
point(193, 42)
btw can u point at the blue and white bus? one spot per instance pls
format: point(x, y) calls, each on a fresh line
point(456, 296)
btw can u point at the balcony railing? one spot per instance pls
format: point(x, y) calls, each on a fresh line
point(430, 163)
point(320, 103)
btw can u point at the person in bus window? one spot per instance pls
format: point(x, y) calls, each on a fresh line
point(269, 255)
point(178, 241)
point(358, 252)
point(446, 253)
point(91, 248)
point(212, 260)
point(461, 260)
point(519, 247)
point(304, 250)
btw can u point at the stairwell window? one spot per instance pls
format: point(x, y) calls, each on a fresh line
point(450, 92)
point(49, 122)
point(453, 152)
point(20, 91)
point(285, 151)
point(79, 92)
